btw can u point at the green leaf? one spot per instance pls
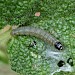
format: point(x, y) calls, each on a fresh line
point(57, 17)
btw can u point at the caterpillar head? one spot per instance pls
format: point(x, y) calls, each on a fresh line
point(58, 46)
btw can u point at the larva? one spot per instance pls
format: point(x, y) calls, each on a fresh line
point(39, 33)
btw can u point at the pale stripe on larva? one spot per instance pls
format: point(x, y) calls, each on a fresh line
point(39, 33)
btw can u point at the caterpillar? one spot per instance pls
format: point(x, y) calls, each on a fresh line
point(39, 33)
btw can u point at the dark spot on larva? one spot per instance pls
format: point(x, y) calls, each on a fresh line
point(70, 61)
point(61, 63)
point(58, 46)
